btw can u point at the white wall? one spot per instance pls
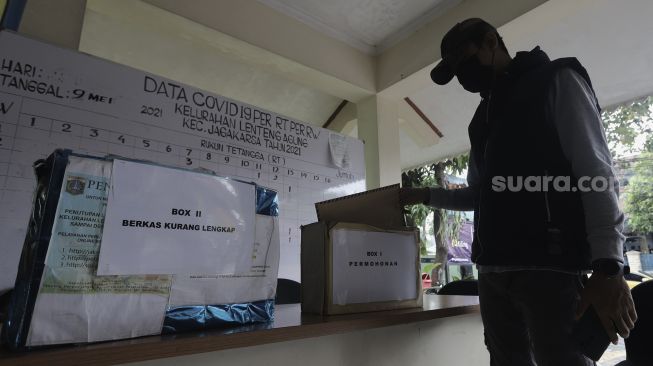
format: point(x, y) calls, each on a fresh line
point(58, 22)
point(257, 24)
point(142, 36)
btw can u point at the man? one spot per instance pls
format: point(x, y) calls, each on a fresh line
point(538, 123)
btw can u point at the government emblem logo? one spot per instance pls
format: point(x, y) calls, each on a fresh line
point(75, 185)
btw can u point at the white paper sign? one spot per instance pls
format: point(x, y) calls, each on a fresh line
point(259, 283)
point(170, 221)
point(371, 266)
point(339, 150)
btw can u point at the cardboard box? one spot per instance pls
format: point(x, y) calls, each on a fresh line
point(368, 265)
point(60, 298)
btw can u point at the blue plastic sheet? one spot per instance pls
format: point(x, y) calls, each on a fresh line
point(267, 202)
point(185, 318)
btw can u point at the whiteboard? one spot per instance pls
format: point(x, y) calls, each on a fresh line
point(57, 98)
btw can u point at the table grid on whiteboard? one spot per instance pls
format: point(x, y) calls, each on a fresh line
point(92, 106)
point(33, 136)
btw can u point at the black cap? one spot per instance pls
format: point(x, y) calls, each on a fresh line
point(464, 32)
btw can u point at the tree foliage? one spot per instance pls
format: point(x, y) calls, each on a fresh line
point(628, 124)
point(629, 131)
point(446, 224)
point(639, 201)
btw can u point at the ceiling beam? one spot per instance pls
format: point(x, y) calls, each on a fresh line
point(335, 114)
point(424, 117)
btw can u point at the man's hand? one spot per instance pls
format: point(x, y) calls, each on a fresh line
point(613, 304)
point(413, 196)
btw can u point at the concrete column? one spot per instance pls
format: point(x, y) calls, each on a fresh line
point(58, 22)
point(378, 127)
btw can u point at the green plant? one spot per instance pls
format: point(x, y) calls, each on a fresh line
point(446, 224)
point(629, 131)
point(467, 277)
point(639, 199)
point(417, 214)
point(430, 267)
point(629, 127)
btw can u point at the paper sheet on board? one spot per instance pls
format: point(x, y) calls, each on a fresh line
point(339, 150)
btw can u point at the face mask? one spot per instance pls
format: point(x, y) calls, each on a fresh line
point(473, 76)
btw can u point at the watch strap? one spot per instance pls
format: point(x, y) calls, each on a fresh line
point(608, 267)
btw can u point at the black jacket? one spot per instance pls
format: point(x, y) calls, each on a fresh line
point(512, 136)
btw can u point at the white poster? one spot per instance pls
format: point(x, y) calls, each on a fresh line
point(163, 220)
point(75, 101)
point(372, 266)
point(73, 304)
point(258, 284)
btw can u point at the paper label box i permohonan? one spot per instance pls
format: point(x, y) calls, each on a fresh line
point(121, 248)
point(360, 256)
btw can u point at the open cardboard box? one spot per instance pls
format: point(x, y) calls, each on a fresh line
point(360, 256)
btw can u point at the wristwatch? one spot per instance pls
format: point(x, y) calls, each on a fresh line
point(608, 267)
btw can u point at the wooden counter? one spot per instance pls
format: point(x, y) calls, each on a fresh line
point(289, 324)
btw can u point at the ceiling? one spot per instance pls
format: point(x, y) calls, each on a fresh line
point(611, 39)
point(368, 25)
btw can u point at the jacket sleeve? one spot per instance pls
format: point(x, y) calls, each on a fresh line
point(461, 199)
point(573, 110)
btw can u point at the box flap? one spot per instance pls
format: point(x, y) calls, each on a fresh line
point(313, 267)
point(378, 207)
